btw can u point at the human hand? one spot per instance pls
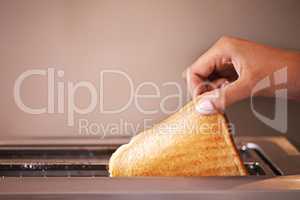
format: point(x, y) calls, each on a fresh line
point(229, 70)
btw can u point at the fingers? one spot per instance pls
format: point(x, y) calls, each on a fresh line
point(195, 84)
point(213, 65)
point(218, 83)
point(211, 74)
point(217, 59)
point(217, 100)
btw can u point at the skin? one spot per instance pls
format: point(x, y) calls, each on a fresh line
point(232, 67)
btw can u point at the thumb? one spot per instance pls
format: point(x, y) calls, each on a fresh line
point(216, 101)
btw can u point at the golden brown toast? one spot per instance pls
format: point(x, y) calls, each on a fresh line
point(185, 144)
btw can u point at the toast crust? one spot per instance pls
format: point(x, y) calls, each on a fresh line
point(184, 144)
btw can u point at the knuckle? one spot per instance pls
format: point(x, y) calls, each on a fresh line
point(226, 42)
point(225, 38)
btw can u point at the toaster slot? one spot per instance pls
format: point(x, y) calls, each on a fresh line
point(54, 162)
point(52, 170)
point(92, 162)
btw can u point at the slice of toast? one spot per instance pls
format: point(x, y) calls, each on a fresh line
point(185, 144)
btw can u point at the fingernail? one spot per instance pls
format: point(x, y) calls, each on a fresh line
point(205, 107)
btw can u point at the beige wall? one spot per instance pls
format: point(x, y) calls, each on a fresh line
point(149, 40)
